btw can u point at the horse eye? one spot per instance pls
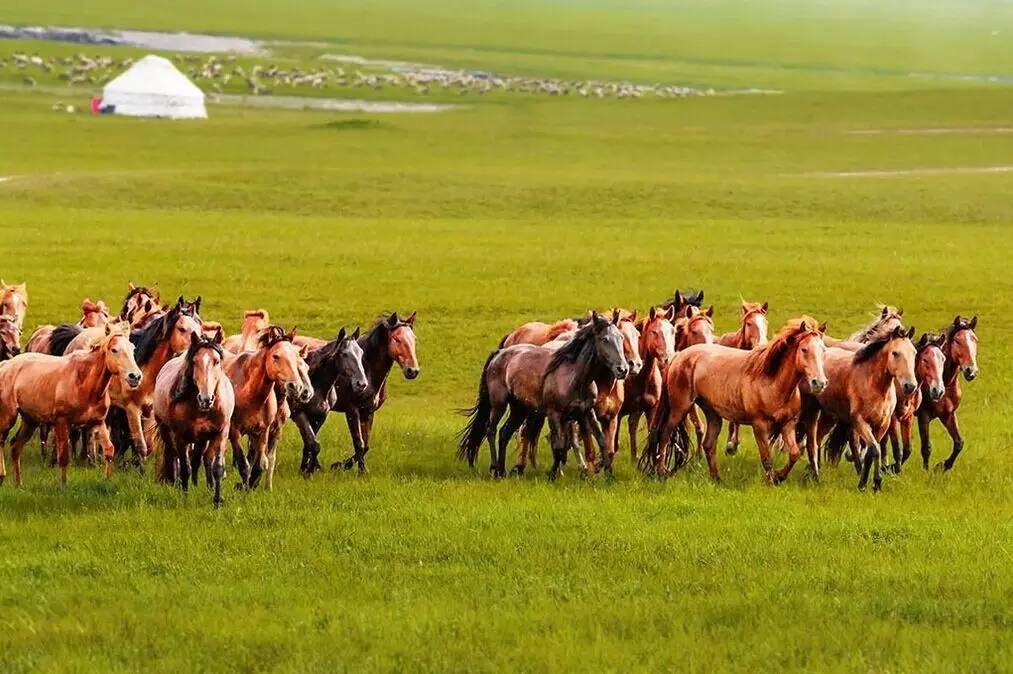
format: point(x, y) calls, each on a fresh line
point(805, 350)
point(115, 350)
point(895, 354)
point(276, 356)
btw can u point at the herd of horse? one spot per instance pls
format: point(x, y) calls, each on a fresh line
point(800, 390)
point(157, 374)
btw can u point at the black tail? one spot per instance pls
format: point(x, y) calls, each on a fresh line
point(835, 443)
point(475, 431)
point(649, 457)
point(62, 336)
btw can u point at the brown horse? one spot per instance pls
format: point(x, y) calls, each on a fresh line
point(758, 388)
point(14, 301)
point(961, 351)
point(643, 391)
point(256, 377)
point(93, 315)
point(861, 398)
point(561, 383)
point(141, 306)
point(685, 303)
point(752, 333)
point(10, 335)
point(193, 405)
point(538, 333)
point(930, 365)
point(254, 322)
point(884, 323)
point(65, 392)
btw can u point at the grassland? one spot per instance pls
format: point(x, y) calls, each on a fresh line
point(479, 219)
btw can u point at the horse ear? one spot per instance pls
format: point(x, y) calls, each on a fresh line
point(129, 283)
point(763, 309)
point(179, 301)
point(974, 323)
point(900, 311)
point(886, 311)
point(194, 339)
point(411, 319)
point(822, 328)
point(304, 350)
point(594, 315)
point(940, 340)
point(355, 335)
point(291, 333)
point(699, 297)
point(911, 332)
point(956, 321)
point(710, 311)
point(922, 341)
point(196, 304)
point(633, 316)
point(341, 334)
point(147, 305)
point(392, 321)
point(670, 314)
point(109, 330)
point(677, 298)
point(219, 337)
point(652, 313)
point(615, 317)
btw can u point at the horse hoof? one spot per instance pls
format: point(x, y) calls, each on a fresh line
point(337, 464)
point(240, 486)
point(941, 467)
point(877, 486)
point(517, 471)
point(731, 449)
point(218, 504)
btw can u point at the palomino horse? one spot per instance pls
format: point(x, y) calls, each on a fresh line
point(538, 333)
point(256, 375)
point(752, 333)
point(10, 335)
point(560, 383)
point(930, 363)
point(391, 340)
point(141, 305)
point(336, 372)
point(93, 315)
point(758, 388)
point(65, 392)
point(193, 404)
point(254, 322)
point(961, 351)
point(643, 390)
point(861, 398)
point(14, 301)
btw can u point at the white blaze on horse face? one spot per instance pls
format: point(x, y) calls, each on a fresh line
point(811, 353)
point(359, 375)
point(120, 360)
point(758, 323)
point(208, 365)
point(901, 356)
point(402, 350)
point(929, 371)
point(180, 339)
point(965, 352)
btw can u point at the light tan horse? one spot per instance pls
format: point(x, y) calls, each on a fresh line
point(538, 333)
point(14, 301)
point(255, 321)
point(65, 392)
point(752, 333)
point(256, 376)
point(758, 388)
point(861, 399)
point(193, 405)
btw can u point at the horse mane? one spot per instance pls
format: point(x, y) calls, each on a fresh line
point(185, 385)
point(873, 331)
point(570, 351)
point(146, 339)
point(271, 335)
point(750, 307)
point(869, 351)
point(767, 360)
point(137, 290)
point(61, 336)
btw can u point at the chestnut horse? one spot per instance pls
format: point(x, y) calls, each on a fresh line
point(254, 321)
point(861, 398)
point(212, 330)
point(643, 390)
point(65, 392)
point(930, 364)
point(141, 306)
point(10, 335)
point(538, 333)
point(961, 351)
point(336, 372)
point(193, 403)
point(751, 334)
point(93, 315)
point(14, 301)
point(256, 375)
point(391, 340)
point(884, 323)
point(560, 383)
point(758, 388)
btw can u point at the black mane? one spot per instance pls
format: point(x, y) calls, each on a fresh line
point(147, 339)
point(271, 335)
point(958, 325)
point(137, 290)
point(571, 351)
point(61, 336)
point(867, 352)
point(186, 385)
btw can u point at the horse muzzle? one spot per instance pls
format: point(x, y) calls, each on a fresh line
point(205, 402)
point(970, 373)
point(816, 386)
point(134, 379)
point(936, 392)
point(360, 386)
point(411, 373)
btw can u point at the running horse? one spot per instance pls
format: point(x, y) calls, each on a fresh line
point(560, 383)
point(960, 348)
point(337, 374)
point(884, 323)
point(538, 333)
point(10, 337)
point(14, 301)
point(930, 365)
point(752, 333)
point(861, 398)
point(65, 392)
point(758, 388)
point(256, 378)
point(93, 315)
point(643, 390)
point(685, 303)
point(192, 404)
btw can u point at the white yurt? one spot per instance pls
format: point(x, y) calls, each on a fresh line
point(153, 87)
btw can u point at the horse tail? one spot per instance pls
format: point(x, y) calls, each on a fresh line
point(502, 342)
point(475, 430)
point(835, 443)
point(62, 336)
point(650, 454)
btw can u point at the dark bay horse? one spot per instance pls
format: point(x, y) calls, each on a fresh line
point(960, 347)
point(193, 405)
point(559, 383)
point(758, 388)
point(336, 372)
point(930, 365)
point(684, 302)
point(752, 333)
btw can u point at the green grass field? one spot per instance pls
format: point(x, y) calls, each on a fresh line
point(500, 212)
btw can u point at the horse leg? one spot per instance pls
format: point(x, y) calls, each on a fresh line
point(214, 455)
point(517, 415)
point(926, 438)
point(183, 451)
point(592, 427)
point(23, 435)
point(272, 455)
point(761, 432)
point(44, 442)
point(353, 416)
point(905, 437)
point(732, 446)
point(809, 419)
point(559, 442)
point(366, 428)
point(529, 440)
point(632, 421)
point(694, 417)
point(710, 442)
point(868, 456)
point(893, 434)
point(239, 459)
point(790, 439)
point(950, 423)
point(101, 432)
point(197, 461)
point(137, 434)
point(310, 444)
point(62, 432)
point(258, 456)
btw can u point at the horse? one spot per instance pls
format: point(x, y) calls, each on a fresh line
point(884, 323)
point(10, 335)
point(752, 333)
point(960, 347)
point(255, 375)
point(861, 398)
point(930, 363)
point(212, 330)
point(254, 322)
point(141, 306)
point(391, 340)
point(14, 301)
point(538, 333)
point(758, 388)
point(93, 315)
point(336, 373)
point(192, 404)
point(684, 302)
point(64, 391)
point(559, 383)
point(643, 390)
